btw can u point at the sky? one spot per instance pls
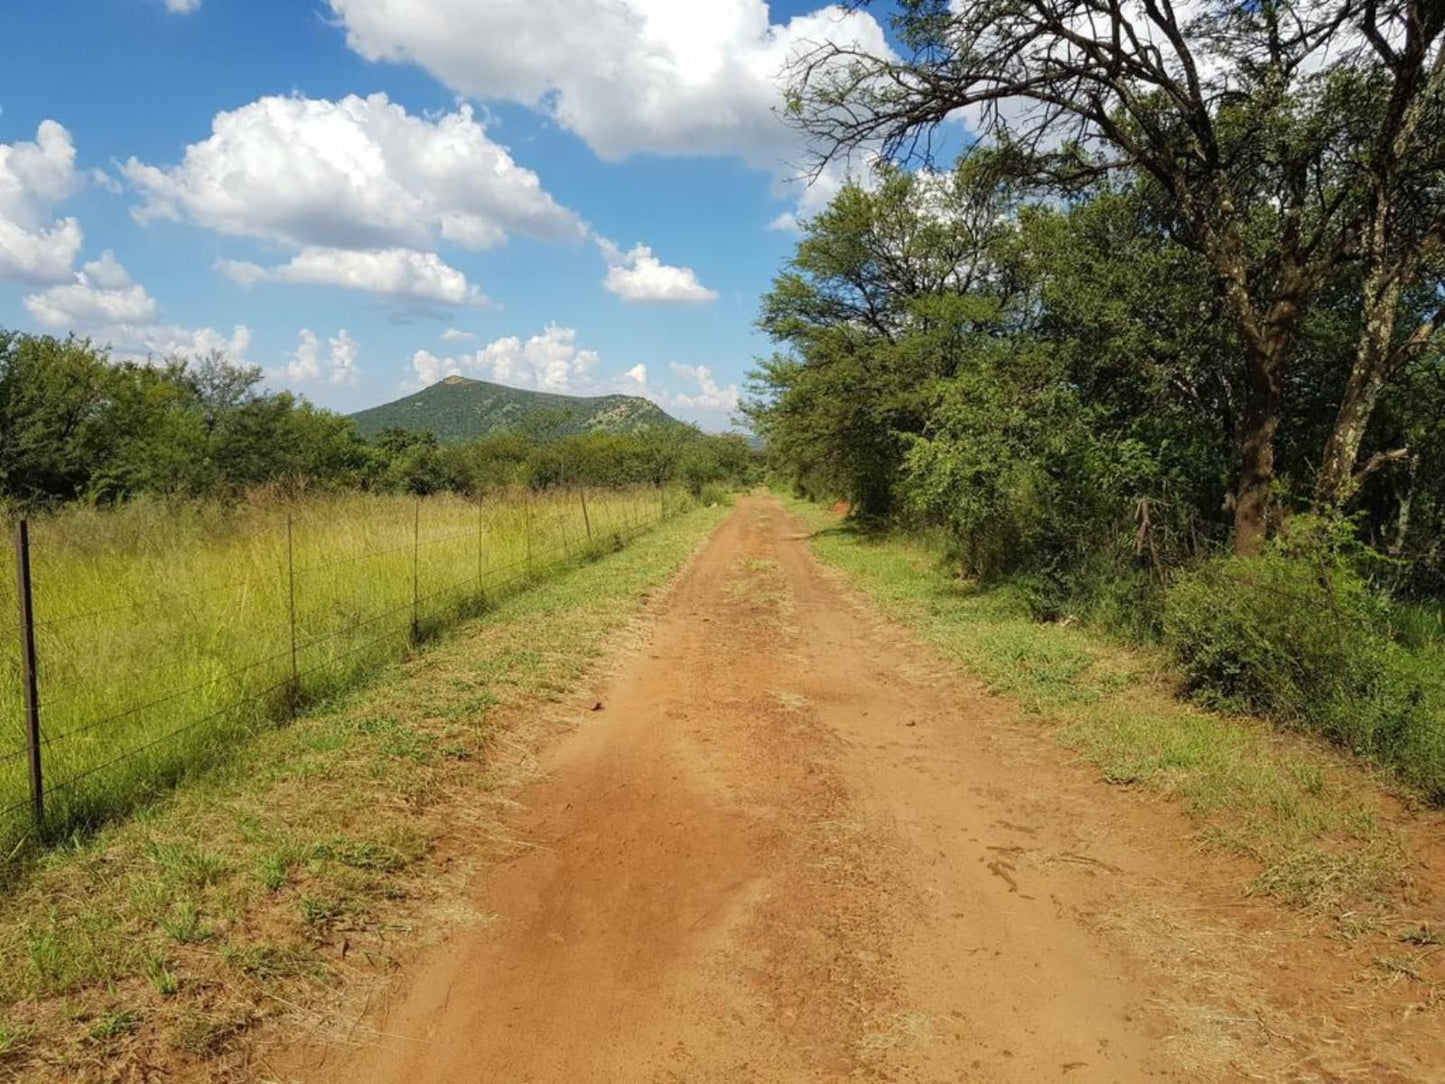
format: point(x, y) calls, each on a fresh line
point(364, 196)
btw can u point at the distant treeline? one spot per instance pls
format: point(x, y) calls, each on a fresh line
point(77, 426)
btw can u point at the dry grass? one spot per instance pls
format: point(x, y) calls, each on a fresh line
point(165, 632)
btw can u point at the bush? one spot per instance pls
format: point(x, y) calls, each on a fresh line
point(1308, 642)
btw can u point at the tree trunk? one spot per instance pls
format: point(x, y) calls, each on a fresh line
point(1265, 343)
point(1258, 422)
point(1379, 308)
point(1402, 519)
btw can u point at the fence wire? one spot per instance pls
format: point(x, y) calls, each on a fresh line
point(597, 534)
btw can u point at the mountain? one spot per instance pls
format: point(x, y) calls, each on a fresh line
point(458, 409)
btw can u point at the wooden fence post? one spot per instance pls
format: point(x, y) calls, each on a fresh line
point(527, 527)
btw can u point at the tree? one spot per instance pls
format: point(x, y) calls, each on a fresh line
point(56, 421)
point(871, 308)
point(1272, 143)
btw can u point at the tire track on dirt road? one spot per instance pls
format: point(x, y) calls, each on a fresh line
point(794, 848)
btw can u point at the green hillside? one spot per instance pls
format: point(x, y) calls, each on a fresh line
point(460, 409)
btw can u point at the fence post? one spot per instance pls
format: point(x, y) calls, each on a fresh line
point(31, 679)
point(586, 519)
point(480, 532)
point(291, 592)
point(416, 573)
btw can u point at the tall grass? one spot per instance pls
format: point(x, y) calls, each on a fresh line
point(166, 632)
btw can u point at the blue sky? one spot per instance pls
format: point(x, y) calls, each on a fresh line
point(327, 188)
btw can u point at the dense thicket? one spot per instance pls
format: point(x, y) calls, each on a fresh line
point(1295, 147)
point(1050, 380)
point(1189, 285)
point(1184, 300)
point(76, 426)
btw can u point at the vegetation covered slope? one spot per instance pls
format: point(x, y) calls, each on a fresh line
point(458, 409)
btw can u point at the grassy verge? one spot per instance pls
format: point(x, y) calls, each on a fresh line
point(1310, 819)
point(288, 877)
point(167, 632)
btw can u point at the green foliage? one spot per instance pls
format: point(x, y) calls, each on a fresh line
point(1070, 381)
point(1303, 637)
point(872, 305)
point(74, 425)
point(1064, 409)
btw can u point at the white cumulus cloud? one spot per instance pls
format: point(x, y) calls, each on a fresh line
point(358, 173)
point(701, 77)
point(102, 294)
point(638, 275)
point(708, 394)
point(159, 341)
point(103, 303)
point(34, 177)
point(627, 76)
point(548, 361)
point(305, 363)
point(457, 335)
point(396, 274)
point(701, 396)
point(361, 190)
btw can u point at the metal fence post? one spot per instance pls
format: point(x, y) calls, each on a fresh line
point(291, 592)
point(527, 527)
point(586, 519)
point(30, 677)
point(416, 572)
point(480, 548)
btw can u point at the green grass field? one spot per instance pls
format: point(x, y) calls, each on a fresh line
point(165, 632)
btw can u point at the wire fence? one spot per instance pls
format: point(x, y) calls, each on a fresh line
point(140, 662)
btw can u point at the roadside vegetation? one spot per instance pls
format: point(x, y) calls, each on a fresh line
point(286, 879)
point(1160, 352)
point(166, 632)
point(1318, 831)
point(207, 556)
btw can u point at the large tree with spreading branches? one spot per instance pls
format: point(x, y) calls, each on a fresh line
point(1289, 142)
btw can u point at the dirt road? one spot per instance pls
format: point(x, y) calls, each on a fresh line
point(793, 847)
